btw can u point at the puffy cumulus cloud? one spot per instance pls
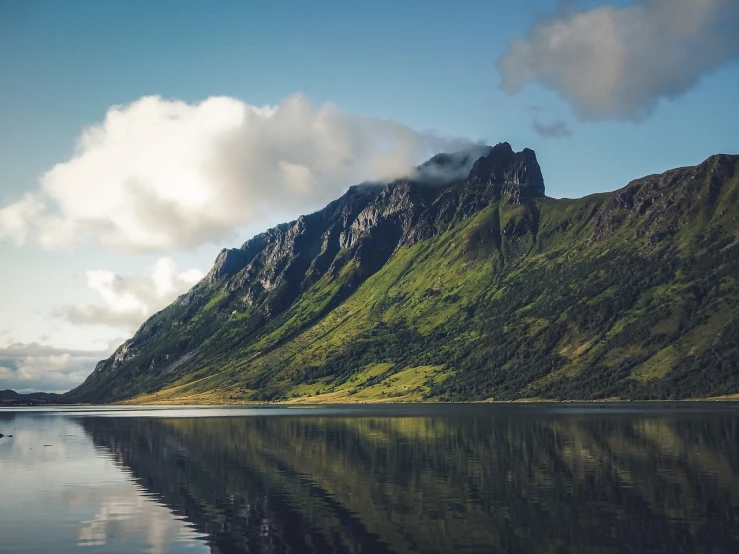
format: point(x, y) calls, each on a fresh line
point(617, 62)
point(15, 219)
point(33, 367)
point(128, 300)
point(162, 174)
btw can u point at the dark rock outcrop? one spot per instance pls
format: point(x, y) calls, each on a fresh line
point(506, 171)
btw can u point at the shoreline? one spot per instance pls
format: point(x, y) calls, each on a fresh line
point(291, 403)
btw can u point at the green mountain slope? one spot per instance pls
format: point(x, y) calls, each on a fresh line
point(461, 289)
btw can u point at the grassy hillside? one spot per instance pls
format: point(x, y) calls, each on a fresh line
point(632, 295)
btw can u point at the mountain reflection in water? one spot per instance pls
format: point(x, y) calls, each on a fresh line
point(453, 480)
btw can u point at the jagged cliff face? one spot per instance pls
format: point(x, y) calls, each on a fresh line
point(485, 209)
point(369, 223)
point(271, 269)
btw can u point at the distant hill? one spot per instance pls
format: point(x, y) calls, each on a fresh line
point(464, 282)
point(10, 397)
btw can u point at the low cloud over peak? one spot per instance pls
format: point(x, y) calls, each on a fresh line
point(162, 174)
point(618, 62)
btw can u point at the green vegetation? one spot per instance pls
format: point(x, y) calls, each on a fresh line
point(629, 295)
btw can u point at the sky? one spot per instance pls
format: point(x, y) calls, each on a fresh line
point(139, 138)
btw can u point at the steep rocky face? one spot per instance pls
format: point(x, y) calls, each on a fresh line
point(370, 222)
point(506, 171)
point(407, 212)
point(271, 269)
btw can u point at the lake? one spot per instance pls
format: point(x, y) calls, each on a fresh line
point(539, 478)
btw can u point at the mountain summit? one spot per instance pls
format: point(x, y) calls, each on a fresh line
point(462, 281)
point(516, 173)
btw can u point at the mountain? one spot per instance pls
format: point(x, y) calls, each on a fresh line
point(462, 282)
point(10, 397)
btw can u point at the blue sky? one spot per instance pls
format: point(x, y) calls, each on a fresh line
point(430, 66)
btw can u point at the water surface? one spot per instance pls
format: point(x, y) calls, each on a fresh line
point(572, 478)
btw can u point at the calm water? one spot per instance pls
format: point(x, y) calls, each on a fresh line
point(475, 478)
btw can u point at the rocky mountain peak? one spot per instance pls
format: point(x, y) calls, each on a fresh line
point(228, 262)
point(506, 171)
point(386, 215)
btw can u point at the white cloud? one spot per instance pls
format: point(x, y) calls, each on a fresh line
point(161, 174)
point(128, 300)
point(31, 367)
point(15, 219)
point(617, 62)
